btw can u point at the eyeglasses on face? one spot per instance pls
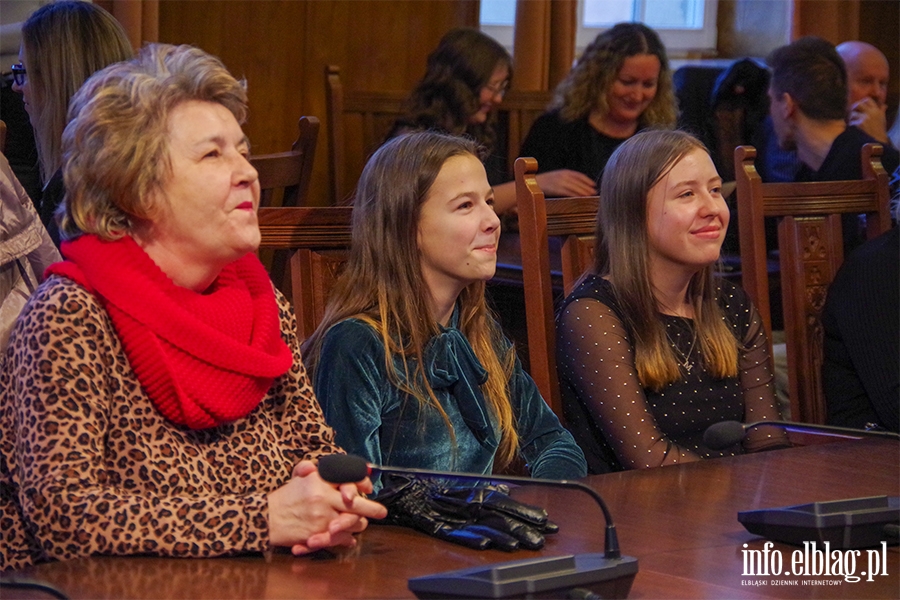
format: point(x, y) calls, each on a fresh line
point(498, 88)
point(18, 72)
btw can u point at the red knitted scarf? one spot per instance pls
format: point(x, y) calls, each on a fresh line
point(203, 359)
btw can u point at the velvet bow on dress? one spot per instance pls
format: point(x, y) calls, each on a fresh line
point(451, 364)
point(381, 421)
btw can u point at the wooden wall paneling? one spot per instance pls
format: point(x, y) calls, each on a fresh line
point(259, 41)
point(281, 48)
point(378, 45)
point(834, 21)
point(752, 28)
point(139, 18)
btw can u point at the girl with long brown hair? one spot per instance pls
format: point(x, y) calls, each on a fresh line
point(409, 365)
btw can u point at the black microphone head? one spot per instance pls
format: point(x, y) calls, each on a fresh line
point(343, 468)
point(722, 435)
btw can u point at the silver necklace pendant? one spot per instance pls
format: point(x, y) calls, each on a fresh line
point(685, 358)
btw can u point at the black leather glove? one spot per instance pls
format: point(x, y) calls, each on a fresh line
point(478, 517)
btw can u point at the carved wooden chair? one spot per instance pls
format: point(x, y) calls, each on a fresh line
point(284, 181)
point(573, 222)
point(358, 122)
point(284, 176)
point(811, 250)
point(318, 239)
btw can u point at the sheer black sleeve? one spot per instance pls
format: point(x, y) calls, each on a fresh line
point(643, 428)
point(598, 353)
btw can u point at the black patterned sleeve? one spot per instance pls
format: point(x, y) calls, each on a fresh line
point(596, 355)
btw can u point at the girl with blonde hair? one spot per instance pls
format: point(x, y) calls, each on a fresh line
point(652, 347)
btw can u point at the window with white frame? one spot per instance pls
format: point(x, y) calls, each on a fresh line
point(685, 26)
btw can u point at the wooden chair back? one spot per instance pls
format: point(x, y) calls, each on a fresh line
point(284, 181)
point(2, 137)
point(318, 239)
point(358, 122)
point(284, 176)
point(574, 221)
point(811, 249)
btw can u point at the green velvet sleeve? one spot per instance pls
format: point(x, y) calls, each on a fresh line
point(548, 448)
point(352, 387)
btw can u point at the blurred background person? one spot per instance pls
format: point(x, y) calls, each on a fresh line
point(165, 410)
point(619, 86)
point(63, 43)
point(808, 101)
point(25, 250)
point(20, 147)
point(868, 74)
point(465, 79)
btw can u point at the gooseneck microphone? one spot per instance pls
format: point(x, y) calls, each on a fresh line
point(347, 468)
point(847, 523)
point(728, 433)
point(554, 576)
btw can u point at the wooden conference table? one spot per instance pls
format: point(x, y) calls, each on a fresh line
point(679, 521)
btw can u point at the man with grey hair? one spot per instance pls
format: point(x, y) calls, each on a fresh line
point(866, 80)
point(868, 73)
point(808, 96)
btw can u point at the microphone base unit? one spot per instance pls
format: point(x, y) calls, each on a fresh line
point(845, 524)
point(552, 577)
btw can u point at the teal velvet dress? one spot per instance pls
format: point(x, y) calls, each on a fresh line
point(386, 426)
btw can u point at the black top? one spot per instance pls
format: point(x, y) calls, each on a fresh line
point(844, 162)
point(54, 193)
point(21, 151)
point(844, 158)
point(861, 369)
point(576, 145)
point(619, 423)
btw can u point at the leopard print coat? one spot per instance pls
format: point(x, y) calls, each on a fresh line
point(89, 466)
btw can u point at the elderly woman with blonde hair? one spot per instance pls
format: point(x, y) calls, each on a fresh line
point(153, 397)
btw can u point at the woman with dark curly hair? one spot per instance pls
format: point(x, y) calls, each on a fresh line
point(466, 77)
point(620, 85)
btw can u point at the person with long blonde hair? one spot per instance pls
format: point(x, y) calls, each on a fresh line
point(622, 84)
point(652, 347)
point(408, 363)
point(63, 43)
